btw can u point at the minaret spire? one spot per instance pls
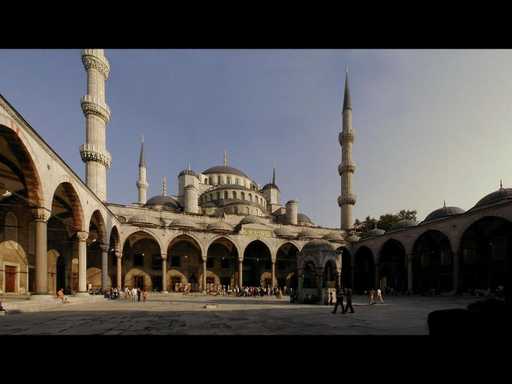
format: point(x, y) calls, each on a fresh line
point(274, 176)
point(346, 169)
point(225, 158)
point(164, 186)
point(501, 184)
point(142, 182)
point(97, 115)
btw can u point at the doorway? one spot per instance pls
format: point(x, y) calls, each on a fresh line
point(10, 279)
point(138, 282)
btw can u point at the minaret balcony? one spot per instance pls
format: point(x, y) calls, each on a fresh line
point(345, 168)
point(347, 199)
point(346, 136)
point(91, 105)
point(91, 59)
point(142, 184)
point(91, 152)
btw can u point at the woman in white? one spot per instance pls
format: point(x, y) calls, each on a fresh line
point(134, 294)
point(379, 295)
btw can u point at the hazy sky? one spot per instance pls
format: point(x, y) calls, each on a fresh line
point(429, 125)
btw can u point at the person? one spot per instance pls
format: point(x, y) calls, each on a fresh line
point(89, 288)
point(331, 298)
point(138, 294)
point(348, 293)
point(134, 294)
point(371, 295)
point(126, 293)
point(61, 297)
point(379, 295)
point(144, 296)
point(339, 300)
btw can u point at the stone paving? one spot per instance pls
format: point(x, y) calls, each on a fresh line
point(176, 314)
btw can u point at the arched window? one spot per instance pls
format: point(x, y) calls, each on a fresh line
point(243, 195)
point(221, 179)
point(226, 195)
point(229, 179)
point(237, 181)
point(11, 227)
point(250, 197)
point(210, 180)
point(234, 194)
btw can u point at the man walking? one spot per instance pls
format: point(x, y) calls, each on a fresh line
point(348, 293)
point(339, 300)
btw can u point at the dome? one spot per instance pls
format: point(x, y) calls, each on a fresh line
point(376, 232)
point(302, 218)
point(270, 185)
point(334, 236)
point(144, 220)
point(188, 172)
point(166, 202)
point(308, 233)
point(251, 219)
point(184, 222)
point(225, 169)
point(284, 232)
point(443, 212)
point(502, 194)
point(318, 245)
point(403, 224)
point(220, 226)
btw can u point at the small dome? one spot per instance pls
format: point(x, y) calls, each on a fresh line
point(270, 185)
point(144, 220)
point(188, 172)
point(284, 232)
point(184, 222)
point(502, 194)
point(376, 232)
point(334, 236)
point(220, 226)
point(403, 224)
point(318, 245)
point(251, 219)
point(225, 169)
point(166, 202)
point(302, 218)
point(443, 212)
point(308, 233)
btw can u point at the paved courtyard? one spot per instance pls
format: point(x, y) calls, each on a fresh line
point(176, 314)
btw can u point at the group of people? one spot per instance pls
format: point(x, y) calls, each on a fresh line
point(341, 295)
point(135, 294)
point(226, 290)
point(374, 295)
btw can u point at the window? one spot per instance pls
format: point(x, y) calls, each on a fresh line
point(138, 259)
point(243, 195)
point(234, 194)
point(210, 180)
point(226, 195)
point(229, 179)
point(238, 181)
point(221, 179)
point(210, 262)
point(175, 261)
point(250, 197)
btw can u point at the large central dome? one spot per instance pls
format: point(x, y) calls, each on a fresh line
point(225, 169)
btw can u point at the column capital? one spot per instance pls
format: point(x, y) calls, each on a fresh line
point(118, 254)
point(41, 214)
point(82, 235)
point(104, 247)
point(163, 255)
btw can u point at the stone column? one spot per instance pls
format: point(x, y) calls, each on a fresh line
point(82, 262)
point(119, 278)
point(240, 270)
point(104, 266)
point(164, 273)
point(274, 274)
point(205, 270)
point(456, 272)
point(377, 277)
point(409, 273)
point(41, 216)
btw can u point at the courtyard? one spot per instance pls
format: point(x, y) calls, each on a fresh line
point(173, 314)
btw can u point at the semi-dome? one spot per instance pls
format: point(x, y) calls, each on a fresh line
point(302, 218)
point(334, 236)
point(184, 223)
point(404, 223)
point(284, 232)
point(501, 195)
point(220, 226)
point(225, 169)
point(144, 220)
point(166, 202)
point(318, 245)
point(443, 212)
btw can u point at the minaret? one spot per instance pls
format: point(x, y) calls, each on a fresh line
point(346, 169)
point(164, 186)
point(97, 115)
point(142, 182)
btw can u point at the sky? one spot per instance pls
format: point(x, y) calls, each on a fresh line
point(430, 125)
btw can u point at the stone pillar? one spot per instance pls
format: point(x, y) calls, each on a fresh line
point(41, 216)
point(409, 273)
point(104, 266)
point(164, 273)
point(240, 270)
point(274, 274)
point(456, 272)
point(82, 262)
point(204, 276)
point(119, 278)
point(377, 277)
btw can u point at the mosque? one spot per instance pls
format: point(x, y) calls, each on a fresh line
point(222, 227)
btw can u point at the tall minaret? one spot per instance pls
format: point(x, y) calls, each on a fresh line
point(97, 114)
point(347, 167)
point(142, 182)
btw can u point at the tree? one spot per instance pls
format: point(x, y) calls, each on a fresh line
point(386, 221)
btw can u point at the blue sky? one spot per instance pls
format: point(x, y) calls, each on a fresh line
point(431, 125)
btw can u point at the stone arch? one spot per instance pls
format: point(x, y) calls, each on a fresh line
point(432, 262)
point(24, 166)
point(53, 256)
point(115, 239)
point(346, 266)
point(189, 237)
point(97, 219)
point(173, 275)
point(12, 254)
point(485, 253)
point(309, 274)
point(329, 273)
point(257, 259)
point(287, 255)
point(130, 279)
point(364, 269)
point(184, 253)
point(227, 238)
point(11, 227)
point(222, 260)
point(94, 277)
point(69, 192)
point(134, 230)
point(392, 266)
